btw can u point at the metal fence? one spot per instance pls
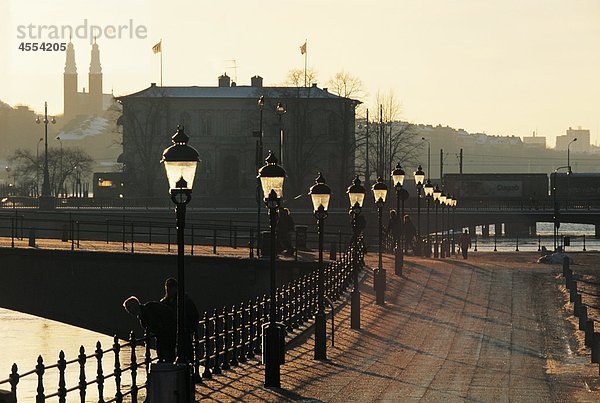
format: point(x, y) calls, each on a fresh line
point(225, 338)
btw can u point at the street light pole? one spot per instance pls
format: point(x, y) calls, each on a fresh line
point(320, 194)
point(60, 179)
point(46, 202)
point(569, 165)
point(428, 189)
point(356, 196)
point(436, 196)
point(419, 178)
point(259, 157)
point(442, 244)
point(280, 110)
point(555, 200)
point(379, 278)
point(180, 161)
point(37, 169)
point(398, 176)
point(272, 177)
point(449, 201)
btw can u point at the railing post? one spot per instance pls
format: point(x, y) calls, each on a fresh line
point(214, 241)
point(243, 332)
point(62, 366)
point(251, 243)
point(197, 354)
point(226, 339)
point(117, 349)
point(149, 232)
point(132, 240)
point(540, 243)
point(39, 370)
point(14, 380)
point(133, 367)
point(207, 350)
point(584, 242)
point(192, 243)
point(218, 344)
point(81, 358)
point(12, 232)
point(234, 337)
point(517, 249)
point(235, 237)
point(107, 232)
point(123, 231)
point(99, 372)
point(251, 329)
point(169, 239)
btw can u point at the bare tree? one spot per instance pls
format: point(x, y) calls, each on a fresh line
point(295, 77)
point(62, 167)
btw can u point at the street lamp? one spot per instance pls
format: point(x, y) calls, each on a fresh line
point(398, 176)
point(556, 206)
point(46, 202)
point(379, 276)
point(454, 202)
point(449, 201)
point(37, 169)
point(60, 179)
point(320, 195)
point(569, 165)
point(442, 200)
point(280, 110)
point(180, 161)
point(428, 189)
point(419, 178)
point(436, 201)
point(356, 196)
point(259, 157)
point(272, 177)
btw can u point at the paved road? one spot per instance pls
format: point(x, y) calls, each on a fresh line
point(493, 328)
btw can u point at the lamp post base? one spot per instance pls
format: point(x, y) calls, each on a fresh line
point(46, 203)
point(320, 336)
point(273, 353)
point(380, 280)
point(355, 310)
point(398, 261)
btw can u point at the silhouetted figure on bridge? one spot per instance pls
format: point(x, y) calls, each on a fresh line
point(191, 312)
point(159, 320)
point(409, 233)
point(465, 243)
point(285, 226)
point(394, 227)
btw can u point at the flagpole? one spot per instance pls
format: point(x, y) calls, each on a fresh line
point(161, 52)
point(305, 60)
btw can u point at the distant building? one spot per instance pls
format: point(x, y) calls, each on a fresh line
point(93, 102)
point(108, 185)
point(535, 141)
point(222, 122)
point(581, 145)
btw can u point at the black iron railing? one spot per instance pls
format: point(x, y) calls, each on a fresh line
point(224, 338)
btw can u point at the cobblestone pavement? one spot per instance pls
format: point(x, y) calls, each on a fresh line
point(492, 328)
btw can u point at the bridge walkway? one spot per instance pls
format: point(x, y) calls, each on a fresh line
point(492, 328)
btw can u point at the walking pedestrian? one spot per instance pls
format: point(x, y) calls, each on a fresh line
point(465, 243)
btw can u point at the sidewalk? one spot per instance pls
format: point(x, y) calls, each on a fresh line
point(491, 328)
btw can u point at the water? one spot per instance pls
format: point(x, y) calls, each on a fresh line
point(23, 337)
point(544, 230)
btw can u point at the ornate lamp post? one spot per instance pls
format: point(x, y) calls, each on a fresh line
point(37, 169)
point(454, 202)
point(280, 110)
point(356, 196)
point(380, 192)
point(46, 202)
point(180, 161)
point(442, 200)
point(272, 177)
point(259, 157)
point(398, 176)
point(428, 189)
point(320, 195)
point(419, 178)
point(449, 201)
point(436, 201)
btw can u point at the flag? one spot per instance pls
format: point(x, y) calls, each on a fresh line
point(157, 48)
point(303, 48)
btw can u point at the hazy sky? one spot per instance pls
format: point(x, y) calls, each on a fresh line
point(501, 67)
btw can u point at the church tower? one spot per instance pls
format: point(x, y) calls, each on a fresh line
point(95, 82)
point(70, 103)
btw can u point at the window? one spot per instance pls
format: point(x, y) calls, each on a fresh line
point(105, 183)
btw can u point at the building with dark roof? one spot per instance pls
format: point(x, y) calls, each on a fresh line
point(223, 123)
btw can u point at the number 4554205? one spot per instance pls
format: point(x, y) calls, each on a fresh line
point(43, 46)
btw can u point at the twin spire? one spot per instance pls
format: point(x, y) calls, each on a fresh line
point(71, 66)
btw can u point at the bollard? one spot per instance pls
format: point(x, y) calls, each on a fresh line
point(12, 232)
point(539, 243)
point(577, 305)
point(132, 240)
point(596, 348)
point(214, 241)
point(573, 291)
point(495, 249)
point(32, 237)
point(517, 249)
point(582, 316)
point(565, 266)
point(589, 332)
point(584, 242)
point(475, 249)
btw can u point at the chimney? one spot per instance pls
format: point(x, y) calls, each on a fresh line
point(224, 80)
point(256, 81)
